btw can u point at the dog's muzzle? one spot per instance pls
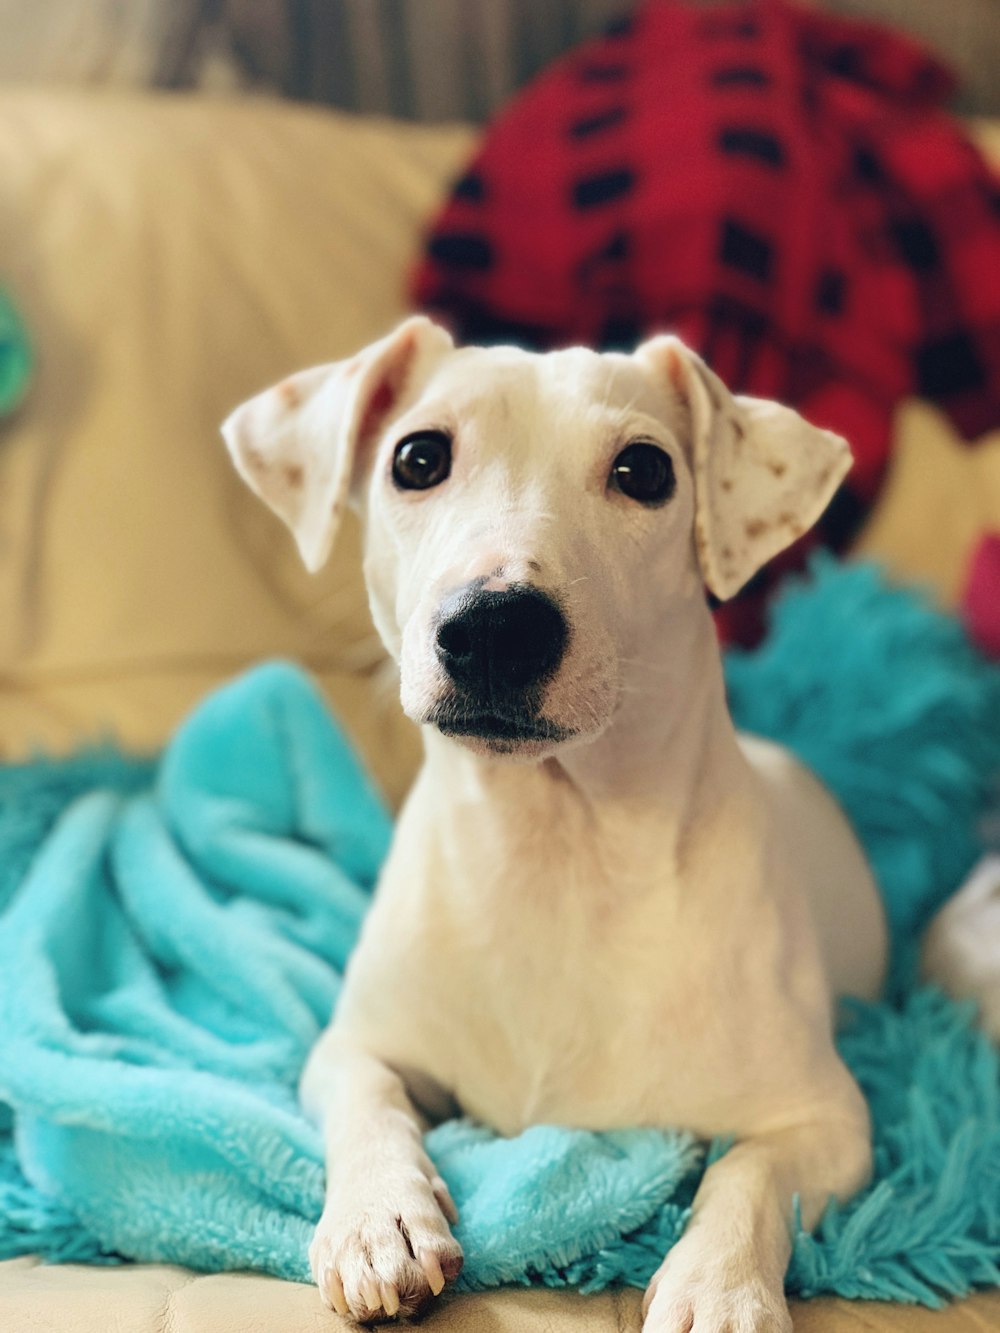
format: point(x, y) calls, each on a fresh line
point(498, 649)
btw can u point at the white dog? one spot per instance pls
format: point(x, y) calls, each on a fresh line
point(602, 907)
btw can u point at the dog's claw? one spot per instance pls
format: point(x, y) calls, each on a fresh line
point(370, 1293)
point(390, 1299)
point(431, 1265)
point(445, 1202)
point(335, 1292)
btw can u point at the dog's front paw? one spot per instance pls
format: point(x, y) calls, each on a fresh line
point(385, 1252)
point(713, 1300)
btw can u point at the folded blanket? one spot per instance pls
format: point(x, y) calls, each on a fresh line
point(172, 937)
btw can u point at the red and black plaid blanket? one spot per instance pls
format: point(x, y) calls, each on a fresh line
point(779, 186)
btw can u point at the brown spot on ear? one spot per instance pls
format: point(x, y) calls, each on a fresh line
point(288, 392)
point(701, 539)
point(255, 461)
point(293, 475)
point(727, 553)
point(755, 527)
point(792, 523)
point(778, 468)
point(726, 483)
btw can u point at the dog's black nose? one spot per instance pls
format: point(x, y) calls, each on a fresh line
point(500, 642)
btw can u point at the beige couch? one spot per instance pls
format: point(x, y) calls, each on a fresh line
point(171, 257)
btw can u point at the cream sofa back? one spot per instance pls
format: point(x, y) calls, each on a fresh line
point(172, 256)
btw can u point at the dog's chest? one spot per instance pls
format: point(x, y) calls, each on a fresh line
point(567, 974)
point(564, 1007)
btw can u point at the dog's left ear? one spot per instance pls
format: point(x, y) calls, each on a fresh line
point(301, 444)
point(762, 475)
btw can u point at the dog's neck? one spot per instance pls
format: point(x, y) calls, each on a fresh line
point(669, 747)
point(671, 724)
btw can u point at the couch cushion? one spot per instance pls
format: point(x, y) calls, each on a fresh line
point(172, 256)
point(148, 1298)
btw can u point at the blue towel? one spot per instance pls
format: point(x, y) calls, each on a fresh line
point(173, 933)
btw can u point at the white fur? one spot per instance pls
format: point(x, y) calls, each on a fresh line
point(962, 947)
point(642, 924)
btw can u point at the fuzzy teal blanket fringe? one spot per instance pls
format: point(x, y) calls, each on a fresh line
point(147, 1074)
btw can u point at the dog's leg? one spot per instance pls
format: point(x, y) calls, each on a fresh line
point(383, 1245)
point(726, 1274)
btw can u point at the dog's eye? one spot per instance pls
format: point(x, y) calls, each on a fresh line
point(422, 460)
point(644, 472)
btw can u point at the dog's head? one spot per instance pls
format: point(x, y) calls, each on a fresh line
point(534, 524)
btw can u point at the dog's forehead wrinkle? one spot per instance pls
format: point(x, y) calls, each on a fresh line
point(480, 372)
point(587, 381)
point(505, 377)
point(542, 413)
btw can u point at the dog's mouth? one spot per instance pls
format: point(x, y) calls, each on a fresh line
point(498, 729)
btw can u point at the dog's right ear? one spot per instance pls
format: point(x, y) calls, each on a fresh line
point(302, 444)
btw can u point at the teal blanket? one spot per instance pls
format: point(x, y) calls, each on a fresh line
point(173, 933)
